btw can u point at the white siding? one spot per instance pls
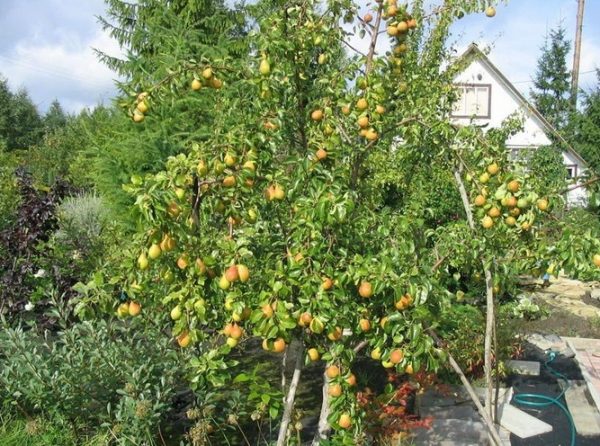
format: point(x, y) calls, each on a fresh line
point(504, 103)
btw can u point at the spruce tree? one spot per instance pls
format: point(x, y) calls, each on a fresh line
point(550, 93)
point(5, 100)
point(54, 118)
point(25, 123)
point(587, 129)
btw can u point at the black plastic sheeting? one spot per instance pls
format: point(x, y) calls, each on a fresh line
point(547, 384)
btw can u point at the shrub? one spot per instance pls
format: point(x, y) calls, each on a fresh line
point(115, 375)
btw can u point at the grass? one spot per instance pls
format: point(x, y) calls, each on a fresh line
point(38, 432)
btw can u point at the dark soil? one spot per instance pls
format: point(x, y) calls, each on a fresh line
point(547, 384)
point(564, 323)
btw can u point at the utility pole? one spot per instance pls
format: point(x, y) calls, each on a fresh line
point(577, 52)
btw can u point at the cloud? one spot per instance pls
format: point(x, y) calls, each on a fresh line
point(57, 61)
point(46, 45)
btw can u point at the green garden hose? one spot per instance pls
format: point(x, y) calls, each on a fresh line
point(537, 400)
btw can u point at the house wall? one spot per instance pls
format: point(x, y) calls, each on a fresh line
point(505, 103)
point(575, 197)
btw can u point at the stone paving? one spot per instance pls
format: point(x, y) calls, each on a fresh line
point(568, 294)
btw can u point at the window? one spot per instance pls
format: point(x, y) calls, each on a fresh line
point(571, 171)
point(474, 101)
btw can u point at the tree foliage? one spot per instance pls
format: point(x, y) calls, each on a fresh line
point(272, 222)
point(551, 91)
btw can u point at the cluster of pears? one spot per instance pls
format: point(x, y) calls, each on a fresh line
point(398, 21)
point(141, 107)
point(229, 172)
point(277, 345)
point(233, 274)
point(206, 78)
point(335, 390)
point(509, 201)
point(155, 250)
point(129, 308)
point(365, 118)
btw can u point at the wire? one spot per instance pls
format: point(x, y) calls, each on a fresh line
point(52, 72)
point(537, 400)
point(531, 80)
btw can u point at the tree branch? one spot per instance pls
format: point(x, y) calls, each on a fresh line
point(289, 401)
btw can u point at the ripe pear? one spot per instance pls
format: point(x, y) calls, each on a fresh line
point(142, 261)
point(207, 73)
point(321, 154)
point(231, 274)
point(322, 58)
point(365, 324)
point(202, 168)
point(362, 104)
point(313, 354)
point(267, 310)
point(224, 284)
point(243, 273)
point(487, 222)
point(542, 204)
point(134, 308)
point(279, 193)
point(345, 421)
point(490, 11)
point(196, 85)
point(138, 116)
point(229, 181)
point(123, 309)
point(230, 160)
point(365, 289)
point(402, 27)
point(376, 354)
point(264, 67)
point(176, 313)
point(279, 345)
point(396, 356)
point(142, 106)
point(184, 339)
point(371, 135)
point(317, 115)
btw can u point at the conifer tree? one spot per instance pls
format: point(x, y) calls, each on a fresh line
point(54, 118)
point(551, 83)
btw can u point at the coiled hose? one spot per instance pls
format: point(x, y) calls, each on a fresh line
point(537, 400)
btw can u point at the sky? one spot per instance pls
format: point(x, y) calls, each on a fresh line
point(46, 45)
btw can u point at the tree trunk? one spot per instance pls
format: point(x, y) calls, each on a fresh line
point(323, 428)
point(487, 348)
point(289, 400)
point(489, 302)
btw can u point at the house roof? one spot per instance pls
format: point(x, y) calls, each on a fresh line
point(475, 52)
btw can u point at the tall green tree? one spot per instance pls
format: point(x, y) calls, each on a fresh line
point(551, 83)
point(54, 118)
point(5, 103)
point(587, 128)
point(155, 36)
point(25, 123)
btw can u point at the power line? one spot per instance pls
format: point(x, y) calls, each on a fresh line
point(529, 81)
point(52, 72)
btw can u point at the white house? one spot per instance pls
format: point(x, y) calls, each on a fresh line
point(488, 98)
